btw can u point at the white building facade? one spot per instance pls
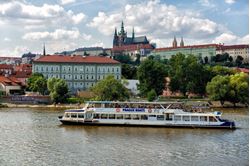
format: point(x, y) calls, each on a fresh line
point(80, 73)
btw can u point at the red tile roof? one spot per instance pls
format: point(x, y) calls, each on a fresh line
point(6, 66)
point(22, 74)
point(76, 59)
point(242, 70)
point(191, 46)
point(132, 47)
point(10, 81)
point(23, 67)
point(224, 47)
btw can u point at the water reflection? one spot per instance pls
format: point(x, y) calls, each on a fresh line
point(36, 137)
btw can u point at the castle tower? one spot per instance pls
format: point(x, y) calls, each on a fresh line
point(174, 44)
point(182, 42)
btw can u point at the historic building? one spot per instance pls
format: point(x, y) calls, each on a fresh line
point(234, 51)
point(122, 44)
point(205, 50)
point(79, 72)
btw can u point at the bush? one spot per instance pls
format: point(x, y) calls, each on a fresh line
point(74, 100)
point(151, 95)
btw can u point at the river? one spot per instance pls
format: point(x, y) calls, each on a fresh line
point(35, 137)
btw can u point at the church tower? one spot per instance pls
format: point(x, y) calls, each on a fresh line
point(182, 42)
point(115, 40)
point(122, 35)
point(174, 44)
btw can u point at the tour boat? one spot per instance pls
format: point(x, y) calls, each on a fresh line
point(154, 114)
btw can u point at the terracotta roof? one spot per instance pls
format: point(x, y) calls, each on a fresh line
point(224, 47)
point(23, 67)
point(191, 46)
point(76, 59)
point(6, 66)
point(10, 81)
point(132, 47)
point(22, 74)
point(242, 70)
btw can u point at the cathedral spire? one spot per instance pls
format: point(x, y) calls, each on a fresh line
point(122, 29)
point(115, 32)
point(174, 44)
point(182, 42)
point(44, 52)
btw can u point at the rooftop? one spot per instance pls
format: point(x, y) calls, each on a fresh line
point(191, 46)
point(76, 59)
point(132, 47)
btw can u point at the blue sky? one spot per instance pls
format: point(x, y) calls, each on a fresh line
point(69, 24)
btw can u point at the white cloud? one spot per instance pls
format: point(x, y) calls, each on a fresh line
point(65, 2)
point(230, 38)
point(17, 51)
point(6, 39)
point(230, 1)
point(28, 14)
point(207, 3)
point(159, 20)
point(58, 34)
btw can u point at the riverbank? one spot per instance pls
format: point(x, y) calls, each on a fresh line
point(214, 104)
point(10, 105)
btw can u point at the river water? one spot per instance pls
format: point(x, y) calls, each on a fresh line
point(36, 137)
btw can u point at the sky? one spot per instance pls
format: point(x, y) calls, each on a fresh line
point(64, 25)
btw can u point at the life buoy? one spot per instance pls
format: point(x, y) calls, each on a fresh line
point(118, 110)
point(149, 110)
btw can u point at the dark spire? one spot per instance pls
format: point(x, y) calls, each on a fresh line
point(182, 42)
point(133, 33)
point(115, 32)
point(122, 29)
point(44, 52)
point(174, 42)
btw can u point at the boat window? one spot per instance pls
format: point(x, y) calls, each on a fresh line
point(96, 116)
point(127, 116)
point(67, 115)
point(212, 119)
point(152, 115)
point(104, 116)
point(186, 118)
point(119, 116)
point(168, 116)
point(160, 117)
point(73, 115)
point(194, 118)
point(111, 116)
point(80, 115)
point(203, 118)
point(144, 117)
point(177, 118)
point(135, 117)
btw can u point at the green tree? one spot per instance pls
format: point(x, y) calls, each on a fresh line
point(129, 71)
point(37, 83)
point(110, 89)
point(151, 75)
point(233, 88)
point(58, 89)
point(187, 75)
point(123, 58)
point(239, 60)
point(138, 59)
point(218, 88)
point(151, 96)
point(238, 88)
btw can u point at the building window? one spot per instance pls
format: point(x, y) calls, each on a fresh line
point(117, 70)
point(46, 68)
point(87, 77)
point(51, 68)
point(41, 68)
point(92, 77)
point(81, 77)
point(63, 76)
point(75, 77)
point(112, 69)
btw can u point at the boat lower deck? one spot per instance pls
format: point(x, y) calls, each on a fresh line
point(167, 125)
